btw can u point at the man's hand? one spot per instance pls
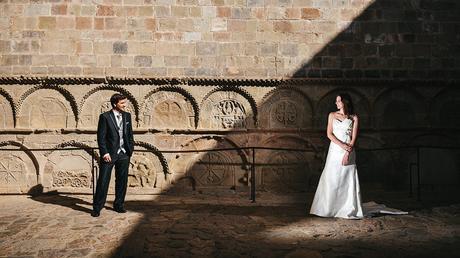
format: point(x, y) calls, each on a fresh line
point(107, 158)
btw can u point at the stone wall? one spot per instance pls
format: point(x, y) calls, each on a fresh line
point(212, 114)
point(231, 38)
point(207, 74)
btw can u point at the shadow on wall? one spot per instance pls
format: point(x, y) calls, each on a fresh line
point(389, 40)
point(393, 39)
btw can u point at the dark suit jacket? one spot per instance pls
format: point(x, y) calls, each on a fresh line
point(108, 139)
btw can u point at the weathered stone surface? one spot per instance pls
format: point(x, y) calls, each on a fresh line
point(225, 225)
point(375, 31)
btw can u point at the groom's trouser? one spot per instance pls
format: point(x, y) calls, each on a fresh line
point(121, 163)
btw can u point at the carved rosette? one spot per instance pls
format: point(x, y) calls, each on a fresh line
point(45, 108)
point(168, 109)
point(285, 109)
point(227, 110)
point(16, 173)
point(96, 104)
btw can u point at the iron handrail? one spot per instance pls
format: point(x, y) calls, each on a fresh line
point(253, 164)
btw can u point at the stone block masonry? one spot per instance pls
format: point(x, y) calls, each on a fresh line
point(319, 39)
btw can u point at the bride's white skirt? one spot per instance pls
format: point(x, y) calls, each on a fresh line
point(338, 193)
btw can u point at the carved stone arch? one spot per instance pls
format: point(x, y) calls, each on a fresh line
point(21, 167)
point(211, 168)
point(69, 170)
point(280, 108)
point(90, 119)
point(444, 111)
point(241, 152)
point(88, 149)
point(182, 92)
point(326, 105)
point(145, 166)
point(157, 152)
point(227, 111)
point(62, 91)
point(13, 107)
point(398, 107)
point(289, 171)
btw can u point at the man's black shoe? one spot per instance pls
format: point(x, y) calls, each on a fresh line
point(120, 210)
point(95, 214)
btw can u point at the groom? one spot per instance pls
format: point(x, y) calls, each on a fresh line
point(116, 144)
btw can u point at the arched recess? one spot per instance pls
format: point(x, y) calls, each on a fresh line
point(377, 168)
point(326, 104)
point(144, 168)
point(439, 168)
point(286, 107)
point(19, 170)
point(210, 168)
point(69, 170)
point(169, 107)
point(399, 108)
point(55, 107)
point(7, 110)
point(228, 108)
point(288, 171)
point(97, 101)
point(444, 109)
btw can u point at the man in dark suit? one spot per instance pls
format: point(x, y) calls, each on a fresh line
point(116, 144)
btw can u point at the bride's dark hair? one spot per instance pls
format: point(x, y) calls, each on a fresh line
point(347, 104)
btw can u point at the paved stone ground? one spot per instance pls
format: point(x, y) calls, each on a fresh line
point(220, 225)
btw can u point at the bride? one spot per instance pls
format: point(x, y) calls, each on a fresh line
point(338, 193)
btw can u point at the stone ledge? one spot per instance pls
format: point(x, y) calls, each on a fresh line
point(206, 81)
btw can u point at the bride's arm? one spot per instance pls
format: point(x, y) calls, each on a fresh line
point(331, 135)
point(354, 132)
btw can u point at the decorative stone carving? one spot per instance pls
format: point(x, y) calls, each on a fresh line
point(227, 110)
point(399, 109)
point(285, 108)
point(96, 104)
point(209, 168)
point(16, 173)
point(288, 171)
point(6, 113)
point(46, 108)
point(68, 169)
point(327, 105)
point(143, 170)
point(168, 109)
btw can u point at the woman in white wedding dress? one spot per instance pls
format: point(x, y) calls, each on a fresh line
point(338, 193)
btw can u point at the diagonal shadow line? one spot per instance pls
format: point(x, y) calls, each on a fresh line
point(377, 59)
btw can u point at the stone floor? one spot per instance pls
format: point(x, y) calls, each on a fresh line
point(201, 224)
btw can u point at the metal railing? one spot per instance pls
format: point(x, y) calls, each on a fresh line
point(253, 164)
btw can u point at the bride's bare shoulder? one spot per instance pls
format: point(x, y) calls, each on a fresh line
point(333, 114)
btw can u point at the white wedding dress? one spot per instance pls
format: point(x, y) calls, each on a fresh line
point(338, 193)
